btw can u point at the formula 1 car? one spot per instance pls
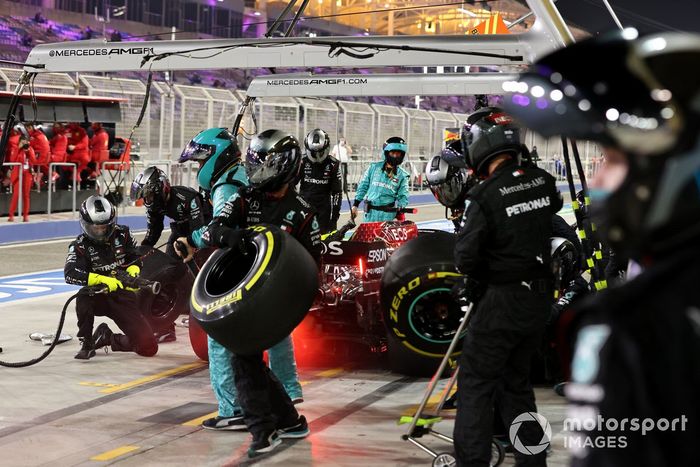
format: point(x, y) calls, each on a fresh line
point(388, 287)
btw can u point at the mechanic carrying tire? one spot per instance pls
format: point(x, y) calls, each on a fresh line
point(253, 294)
point(419, 312)
point(222, 174)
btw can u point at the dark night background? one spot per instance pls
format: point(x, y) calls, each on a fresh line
point(645, 15)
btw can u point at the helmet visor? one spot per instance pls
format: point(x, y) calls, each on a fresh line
point(197, 152)
point(98, 232)
point(263, 168)
point(450, 192)
point(136, 192)
point(150, 193)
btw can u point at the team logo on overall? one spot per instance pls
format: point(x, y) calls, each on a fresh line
point(290, 215)
point(255, 205)
point(586, 362)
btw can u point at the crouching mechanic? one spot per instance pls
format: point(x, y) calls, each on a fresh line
point(185, 206)
point(503, 249)
point(320, 180)
point(222, 174)
point(272, 163)
point(384, 186)
point(103, 247)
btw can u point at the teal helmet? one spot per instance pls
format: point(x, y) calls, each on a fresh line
point(216, 150)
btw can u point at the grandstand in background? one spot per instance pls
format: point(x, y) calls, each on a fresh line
point(212, 97)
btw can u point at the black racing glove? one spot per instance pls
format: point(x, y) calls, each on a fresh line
point(223, 236)
point(467, 288)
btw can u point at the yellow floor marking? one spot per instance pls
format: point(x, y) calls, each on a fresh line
point(432, 404)
point(330, 373)
point(99, 385)
point(322, 374)
point(148, 379)
point(198, 421)
point(109, 455)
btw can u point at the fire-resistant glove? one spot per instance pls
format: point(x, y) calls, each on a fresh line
point(112, 283)
point(133, 270)
point(224, 236)
point(467, 288)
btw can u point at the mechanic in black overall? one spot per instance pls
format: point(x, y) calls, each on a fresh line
point(637, 352)
point(320, 180)
point(184, 205)
point(103, 247)
point(503, 250)
point(272, 163)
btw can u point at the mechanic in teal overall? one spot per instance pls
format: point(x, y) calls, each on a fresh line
point(222, 173)
point(384, 186)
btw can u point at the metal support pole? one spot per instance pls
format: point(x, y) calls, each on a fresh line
point(440, 370)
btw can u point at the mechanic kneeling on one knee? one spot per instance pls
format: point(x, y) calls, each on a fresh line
point(503, 250)
point(272, 163)
point(103, 247)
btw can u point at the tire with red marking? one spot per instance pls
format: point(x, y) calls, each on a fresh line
point(419, 313)
point(198, 340)
point(250, 300)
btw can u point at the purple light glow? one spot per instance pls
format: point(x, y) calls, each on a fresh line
point(541, 103)
point(520, 100)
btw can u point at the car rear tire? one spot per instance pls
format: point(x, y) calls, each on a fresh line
point(420, 315)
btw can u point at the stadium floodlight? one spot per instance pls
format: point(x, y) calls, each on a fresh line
point(310, 85)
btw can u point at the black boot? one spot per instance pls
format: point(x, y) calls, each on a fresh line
point(87, 351)
point(102, 336)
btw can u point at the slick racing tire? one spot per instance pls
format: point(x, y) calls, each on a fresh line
point(250, 300)
point(417, 306)
point(163, 309)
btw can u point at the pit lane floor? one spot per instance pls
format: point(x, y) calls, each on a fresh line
point(128, 410)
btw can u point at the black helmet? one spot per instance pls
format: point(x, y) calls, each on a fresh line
point(448, 178)
point(98, 217)
point(487, 133)
point(152, 185)
point(273, 159)
point(565, 260)
point(395, 143)
point(317, 145)
point(636, 101)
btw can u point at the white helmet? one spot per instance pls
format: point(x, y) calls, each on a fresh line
point(317, 145)
point(98, 217)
